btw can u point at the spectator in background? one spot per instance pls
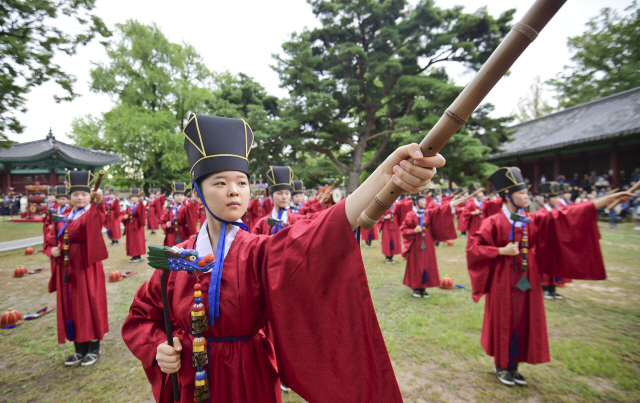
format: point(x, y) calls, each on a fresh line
point(586, 183)
point(635, 176)
point(592, 180)
point(561, 179)
point(575, 181)
point(543, 179)
point(622, 178)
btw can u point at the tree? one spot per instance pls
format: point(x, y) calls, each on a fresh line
point(28, 43)
point(367, 73)
point(607, 58)
point(156, 84)
point(533, 104)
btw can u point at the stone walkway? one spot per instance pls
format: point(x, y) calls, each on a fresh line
point(21, 243)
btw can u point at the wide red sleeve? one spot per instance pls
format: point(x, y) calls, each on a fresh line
point(442, 224)
point(465, 217)
point(96, 248)
point(328, 343)
point(115, 210)
point(491, 207)
point(568, 242)
point(143, 330)
point(482, 253)
point(139, 216)
point(164, 218)
point(192, 217)
point(407, 229)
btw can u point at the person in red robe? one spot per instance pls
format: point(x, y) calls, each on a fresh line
point(76, 248)
point(297, 196)
point(550, 193)
point(113, 216)
point(259, 207)
point(134, 223)
point(564, 199)
point(390, 229)
point(474, 210)
point(506, 258)
point(420, 230)
point(179, 220)
point(288, 278)
point(279, 186)
point(153, 214)
point(60, 207)
point(49, 211)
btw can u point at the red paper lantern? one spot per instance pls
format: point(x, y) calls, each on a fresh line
point(19, 272)
point(450, 242)
point(446, 283)
point(29, 251)
point(115, 276)
point(10, 318)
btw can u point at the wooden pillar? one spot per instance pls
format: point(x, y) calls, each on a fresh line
point(53, 177)
point(536, 175)
point(8, 180)
point(613, 165)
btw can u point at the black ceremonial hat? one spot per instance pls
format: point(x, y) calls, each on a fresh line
point(421, 195)
point(550, 189)
point(60, 191)
point(79, 181)
point(178, 187)
point(134, 191)
point(566, 188)
point(152, 191)
point(279, 178)
point(436, 191)
point(217, 144)
point(475, 186)
point(298, 188)
point(507, 180)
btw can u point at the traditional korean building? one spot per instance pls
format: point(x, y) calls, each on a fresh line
point(601, 136)
point(47, 161)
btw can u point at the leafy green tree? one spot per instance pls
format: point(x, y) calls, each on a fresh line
point(533, 105)
point(28, 43)
point(156, 84)
point(607, 58)
point(367, 73)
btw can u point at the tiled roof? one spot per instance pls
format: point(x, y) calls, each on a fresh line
point(611, 117)
point(42, 149)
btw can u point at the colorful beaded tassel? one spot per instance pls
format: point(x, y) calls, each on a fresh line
point(199, 358)
point(66, 247)
point(525, 248)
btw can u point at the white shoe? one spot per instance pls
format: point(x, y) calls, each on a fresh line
point(547, 295)
point(284, 388)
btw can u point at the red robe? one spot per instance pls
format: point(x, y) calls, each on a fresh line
point(183, 224)
point(313, 206)
point(403, 207)
point(462, 225)
point(391, 240)
point(153, 214)
point(422, 265)
point(256, 211)
point(46, 221)
point(262, 228)
point(472, 222)
point(83, 300)
point(562, 243)
point(113, 216)
point(134, 231)
point(370, 234)
point(329, 346)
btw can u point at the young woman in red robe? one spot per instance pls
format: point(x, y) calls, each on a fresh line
point(390, 229)
point(134, 224)
point(476, 210)
point(153, 214)
point(60, 207)
point(279, 186)
point(258, 208)
point(308, 279)
point(113, 217)
point(421, 228)
point(179, 220)
point(49, 210)
point(77, 249)
point(506, 258)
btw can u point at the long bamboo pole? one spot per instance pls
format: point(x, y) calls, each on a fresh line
point(521, 35)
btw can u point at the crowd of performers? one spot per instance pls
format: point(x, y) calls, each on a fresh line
point(287, 300)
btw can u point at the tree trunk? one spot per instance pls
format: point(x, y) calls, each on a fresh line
point(354, 180)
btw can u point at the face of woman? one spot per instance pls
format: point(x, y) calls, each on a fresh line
point(227, 194)
point(422, 202)
point(80, 199)
point(179, 198)
point(297, 199)
point(282, 198)
point(521, 198)
point(553, 201)
point(62, 201)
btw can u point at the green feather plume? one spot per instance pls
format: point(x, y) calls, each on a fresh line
point(157, 258)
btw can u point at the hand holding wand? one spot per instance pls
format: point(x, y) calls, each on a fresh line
point(521, 35)
point(96, 186)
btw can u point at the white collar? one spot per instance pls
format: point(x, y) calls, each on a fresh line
point(285, 214)
point(564, 202)
point(507, 213)
point(203, 243)
point(80, 213)
point(548, 207)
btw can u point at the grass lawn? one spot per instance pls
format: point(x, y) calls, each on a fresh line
point(10, 231)
point(434, 343)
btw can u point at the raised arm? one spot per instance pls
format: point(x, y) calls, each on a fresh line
point(412, 177)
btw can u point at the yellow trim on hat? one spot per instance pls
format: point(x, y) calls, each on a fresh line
point(201, 148)
point(273, 178)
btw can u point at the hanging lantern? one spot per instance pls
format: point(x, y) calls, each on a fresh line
point(10, 319)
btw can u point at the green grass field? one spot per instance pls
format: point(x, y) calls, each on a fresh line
point(10, 231)
point(434, 343)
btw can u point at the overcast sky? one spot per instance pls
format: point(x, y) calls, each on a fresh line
point(241, 36)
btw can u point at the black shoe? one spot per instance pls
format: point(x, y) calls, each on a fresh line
point(504, 376)
point(547, 295)
point(417, 293)
point(93, 355)
point(518, 378)
point(425, 294)
point(116, 242)
point(153, 232)
point(136, 259)
point(73, 359)
point(557, 296)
